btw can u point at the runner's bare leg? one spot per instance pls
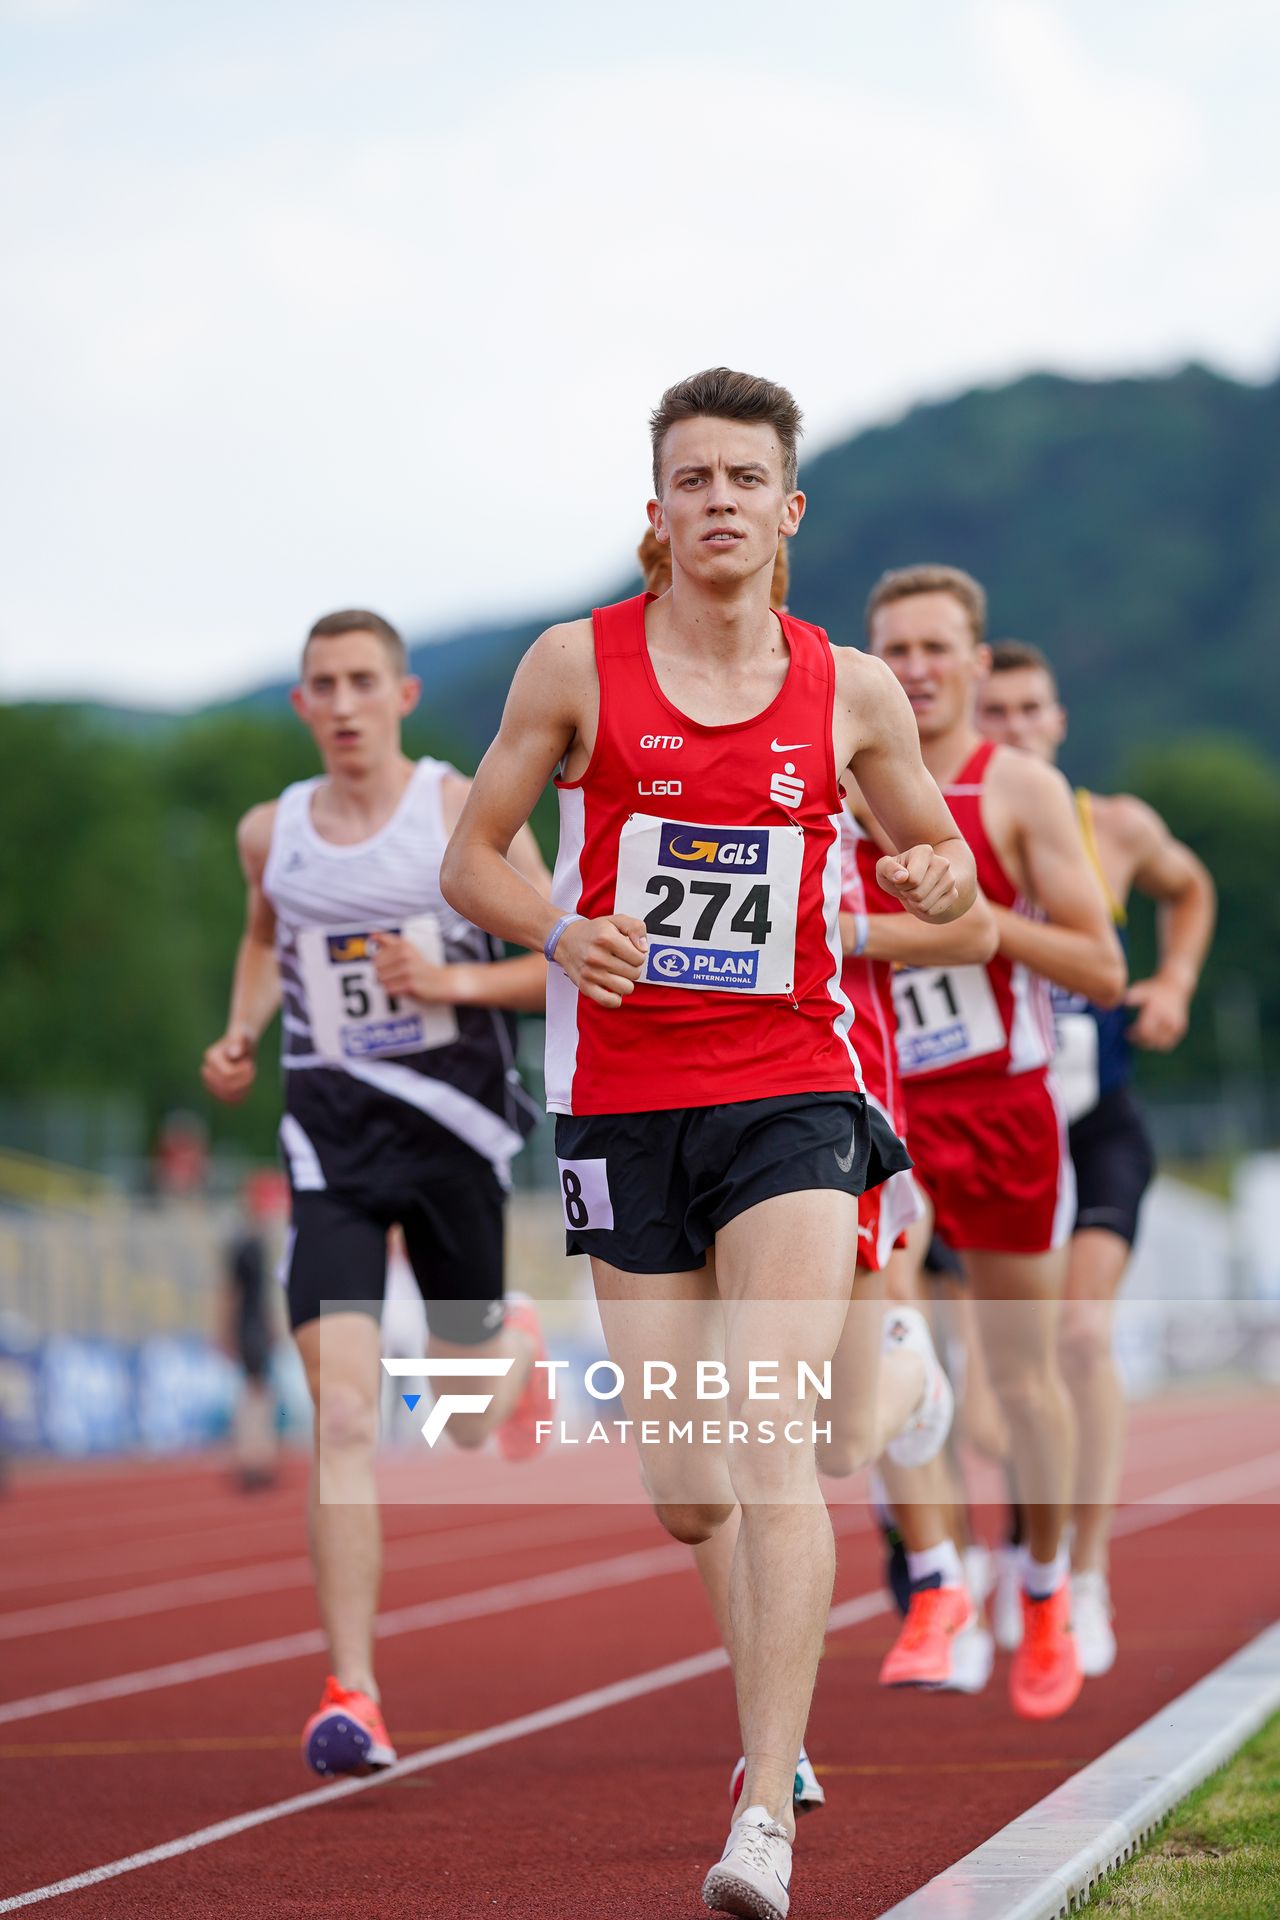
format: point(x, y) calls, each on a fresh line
point(1085, 1350)
point(340, 1352)
point(796, 1249)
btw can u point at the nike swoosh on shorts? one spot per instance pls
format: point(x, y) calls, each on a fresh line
point(845, 1161)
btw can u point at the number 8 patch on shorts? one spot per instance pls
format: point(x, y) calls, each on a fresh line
point(584, 1189)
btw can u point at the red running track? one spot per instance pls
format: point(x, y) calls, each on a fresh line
point(114, 1581)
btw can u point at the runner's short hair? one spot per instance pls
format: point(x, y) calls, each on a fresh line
point(1008, 655)
point(360, 620)
point(654, 556)
point(718, 393)
point(903, 583)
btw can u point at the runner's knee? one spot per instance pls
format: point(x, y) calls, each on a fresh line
point(346, 1419)
point(693, 1523)
point(1084, 1344)
point(850, 1448)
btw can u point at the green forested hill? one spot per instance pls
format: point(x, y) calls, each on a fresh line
point(1129, 527)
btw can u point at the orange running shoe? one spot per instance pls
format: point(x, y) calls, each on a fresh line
point(921, 1654)
point(517, 1436)
point(346, 1733)
point(1045, 1677)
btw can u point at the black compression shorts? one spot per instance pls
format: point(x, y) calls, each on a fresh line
point(648, 1192)
point(452, 1217)
point(1114, 1163)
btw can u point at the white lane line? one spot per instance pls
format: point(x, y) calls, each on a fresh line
point(578, 1707)
point(595, 1576)
point(1238, 1482)
point(158, 1555)
point(274, 1576)
point(1219, 1488)
point(1050, 1859)
point(1250, 1476)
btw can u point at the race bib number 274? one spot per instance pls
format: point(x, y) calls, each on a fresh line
point(720, 903)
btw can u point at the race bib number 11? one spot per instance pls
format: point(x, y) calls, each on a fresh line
point(945, 1015)
point(720, 903)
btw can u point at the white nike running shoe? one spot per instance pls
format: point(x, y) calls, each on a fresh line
point(926, 1431)
point(754, 1874)
point(973, 1654)
point(806, 1794)
point(1091, 1624)
point(1006, 1601)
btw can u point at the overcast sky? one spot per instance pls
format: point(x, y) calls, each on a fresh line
point(308, 305)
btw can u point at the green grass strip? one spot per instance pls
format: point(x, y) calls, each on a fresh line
point(1218, 1855)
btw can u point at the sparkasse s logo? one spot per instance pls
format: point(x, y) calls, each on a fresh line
point(446, 1403)
point(786, 789)
point(651, 741)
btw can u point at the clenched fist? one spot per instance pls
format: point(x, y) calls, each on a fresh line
point(404, 971)
point(604, 958)
point(1163, 1012)
point(922, 880)
point(228, 1068)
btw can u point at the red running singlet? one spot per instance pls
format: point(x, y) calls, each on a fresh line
point(868, 984)
point(963, 1022)
point(725, 841)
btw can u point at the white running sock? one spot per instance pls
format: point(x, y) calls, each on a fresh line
point(942, 1559)
point(1043, 1577)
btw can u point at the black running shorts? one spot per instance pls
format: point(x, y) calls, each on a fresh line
point(452, 1216)
point(1114, 1162)
point(648, 1192)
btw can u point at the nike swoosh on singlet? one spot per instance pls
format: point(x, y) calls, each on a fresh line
point(792, 746)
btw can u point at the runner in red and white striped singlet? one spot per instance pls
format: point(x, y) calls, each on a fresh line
point(987, 1135)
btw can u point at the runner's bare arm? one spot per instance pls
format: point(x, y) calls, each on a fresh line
point(907, 942)
point(1169, 873)
point(542, 720)
point(229, 1067)
point(932, 874)
point(518, 985)
point(1076, 945)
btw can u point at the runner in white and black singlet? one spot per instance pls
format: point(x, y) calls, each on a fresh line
point(402, 1107)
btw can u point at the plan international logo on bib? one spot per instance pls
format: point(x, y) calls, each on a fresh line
point(703, 966)
point(722, 849)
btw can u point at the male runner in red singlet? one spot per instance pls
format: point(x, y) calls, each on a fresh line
point(401, 1105)
point(888, 1388)
point(712, 1133)
point(1132, 850)
point(986, 1127)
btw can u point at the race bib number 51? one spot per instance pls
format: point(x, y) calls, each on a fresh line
point(352, 1015)
point(720, 903)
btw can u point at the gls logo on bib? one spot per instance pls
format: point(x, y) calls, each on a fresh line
point(734, 849)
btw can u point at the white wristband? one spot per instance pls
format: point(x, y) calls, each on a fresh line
point(861, 931)
point(553, 938)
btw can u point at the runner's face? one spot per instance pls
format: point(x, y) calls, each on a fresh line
point(353, 700)
point(928, 642)
point(1020, 708)
point(723, 504)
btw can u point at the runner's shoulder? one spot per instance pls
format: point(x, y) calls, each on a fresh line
point(253, 838)
point(1026, 780)
point(568, 642)
point(866, 686)
point(1127, 822)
